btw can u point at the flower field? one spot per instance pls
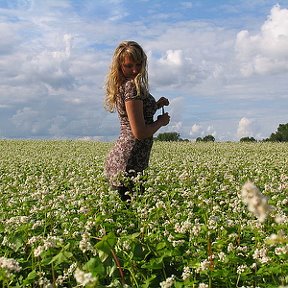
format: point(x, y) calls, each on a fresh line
point(212, 215)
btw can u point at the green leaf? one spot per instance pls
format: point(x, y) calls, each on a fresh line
point(30, 278)
point(148, 282)
point(95, 266)
point(62, 257)
point(154, 263)
point(102, 255)
point(180, 285)
point(161, 245)
point(107, 243)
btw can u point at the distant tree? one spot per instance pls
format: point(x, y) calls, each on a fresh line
point(208, 138)
point(168, 136)
point(248, 139)
point(281, 135)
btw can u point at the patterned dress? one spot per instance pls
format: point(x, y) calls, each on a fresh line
point(129, 155)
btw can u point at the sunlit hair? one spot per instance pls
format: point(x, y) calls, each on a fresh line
point(115, 77)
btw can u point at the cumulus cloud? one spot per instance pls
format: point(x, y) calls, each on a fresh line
point(267, 51)
point(176, 69)
point(172, 57)
point(51, 67)
point(176, 126)
point(198, 130)
point(184, 56)
point(54, 56)
point(245, 128)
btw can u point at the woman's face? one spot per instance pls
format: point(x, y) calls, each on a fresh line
point(130, 68)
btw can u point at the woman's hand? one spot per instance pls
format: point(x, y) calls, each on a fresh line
point(139, 129)
point(162, 102)
point(164, 119)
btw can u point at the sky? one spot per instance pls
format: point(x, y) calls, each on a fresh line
point(223, 65)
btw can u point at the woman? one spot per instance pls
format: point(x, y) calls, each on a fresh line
point(127, 91)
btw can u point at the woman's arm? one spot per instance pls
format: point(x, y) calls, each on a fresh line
point(139, 129)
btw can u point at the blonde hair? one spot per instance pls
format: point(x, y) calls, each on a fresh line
point(115, 77)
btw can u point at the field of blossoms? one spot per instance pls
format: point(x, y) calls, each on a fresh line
point(212, 215)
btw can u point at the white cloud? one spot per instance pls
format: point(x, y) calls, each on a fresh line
point(54, 57)
point(172, 57)
point(9, 38)
point(176, 127)
point(211, 131)
point(51, 67)
point(267, 51)
point(199, 130)
point(25, 120)
point(196, 130)
point(245, 128)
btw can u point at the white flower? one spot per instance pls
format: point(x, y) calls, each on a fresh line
point(281, 250)
point(9, 264)
point(186, 273)
point(261, 255)
point(176, 243)
point(230, 247)
point(50, 242)
point(281, 219)
point(241, 269)
point(204, 265)
point(222, 256)
point(126, 246)
point(203, 285)
point(37, 224)
point(39, 250)
point(83, 278)
point(83, 210)
point(196, 228)
point(168, 283)
point(256, 202)
point(85, 244)
point(67, 273)
point(33, 240)
point(182, 227)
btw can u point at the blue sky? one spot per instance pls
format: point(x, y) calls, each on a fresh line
point(222, 64)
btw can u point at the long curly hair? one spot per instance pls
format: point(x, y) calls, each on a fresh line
point(115, 78)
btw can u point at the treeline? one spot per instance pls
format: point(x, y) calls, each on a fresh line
point(170, 136)
point(281, 135)
point(174, 136)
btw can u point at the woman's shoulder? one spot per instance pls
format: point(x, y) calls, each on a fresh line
point(130, 91)
point(129, 85)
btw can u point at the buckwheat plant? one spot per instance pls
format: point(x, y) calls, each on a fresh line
point(200, 222)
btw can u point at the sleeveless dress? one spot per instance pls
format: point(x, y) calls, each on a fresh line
point(129, 155)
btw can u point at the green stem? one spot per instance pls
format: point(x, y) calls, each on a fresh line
point(238, 279)
point(210, 280)
point(53, 275)
point(133, 277)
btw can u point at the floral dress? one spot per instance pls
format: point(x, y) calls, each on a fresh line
point(129, 155)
